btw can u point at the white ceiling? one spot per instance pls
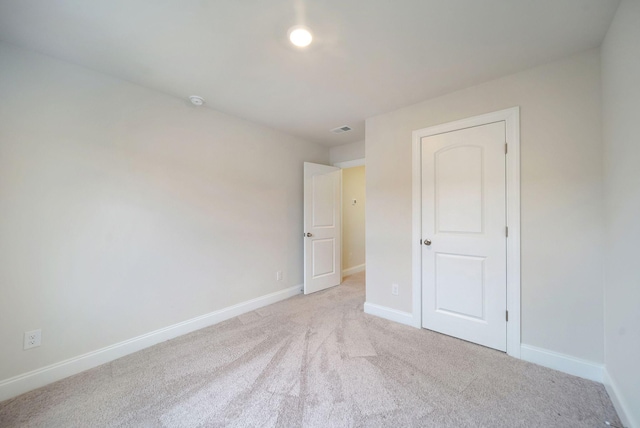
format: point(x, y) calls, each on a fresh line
point(368, 56)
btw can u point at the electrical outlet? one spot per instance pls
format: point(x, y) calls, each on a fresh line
point(32, 338)
point(394, 289)
point(279, 275)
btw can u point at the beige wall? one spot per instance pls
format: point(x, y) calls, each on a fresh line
point(347, 152)
point(621, 98)
point(561, 190)
point(124, 210)
point(353, 222)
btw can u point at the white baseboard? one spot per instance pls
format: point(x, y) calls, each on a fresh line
point(389, 314)
point(37, 378)
point(622, 406)
point(355, 269)
point(563, 363)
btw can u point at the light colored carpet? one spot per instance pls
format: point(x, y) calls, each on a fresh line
point(314, 361)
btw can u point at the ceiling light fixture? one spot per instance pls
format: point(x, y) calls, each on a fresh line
point(196, 100)
point(300, 36)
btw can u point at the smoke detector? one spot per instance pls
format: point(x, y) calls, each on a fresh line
point(341, 129)
point(196, 100)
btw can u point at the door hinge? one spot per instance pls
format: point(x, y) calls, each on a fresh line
point(506, 231)
point(505, 148)
point(421, 242)
point(507, 315)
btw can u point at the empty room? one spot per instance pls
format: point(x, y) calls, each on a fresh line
point(319, 213)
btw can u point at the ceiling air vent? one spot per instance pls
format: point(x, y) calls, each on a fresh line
point(341, 129)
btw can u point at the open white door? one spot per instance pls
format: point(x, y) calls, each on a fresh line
point(322, 228)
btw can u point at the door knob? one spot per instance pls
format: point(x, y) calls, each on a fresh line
point(309, 235)
point(427, 242)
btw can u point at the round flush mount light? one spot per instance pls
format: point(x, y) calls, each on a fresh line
point(300, 36)
point(196, 100)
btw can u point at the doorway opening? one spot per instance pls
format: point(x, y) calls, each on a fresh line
point(334, 223)
point(353, 219)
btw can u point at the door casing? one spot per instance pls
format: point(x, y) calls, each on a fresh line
point(511, 117)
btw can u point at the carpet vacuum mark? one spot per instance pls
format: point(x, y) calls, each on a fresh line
point(314, 361)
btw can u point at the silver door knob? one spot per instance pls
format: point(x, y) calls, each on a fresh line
point(427, 242)
point(309, 235)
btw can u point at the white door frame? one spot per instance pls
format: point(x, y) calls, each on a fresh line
point(511, 117)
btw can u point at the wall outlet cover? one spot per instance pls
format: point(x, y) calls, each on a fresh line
point(32, 338)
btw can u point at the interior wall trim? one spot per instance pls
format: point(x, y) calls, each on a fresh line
point(389, 314)
point(354, 269)
point(25, 382)
point(622, 406)
point(564, 363)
